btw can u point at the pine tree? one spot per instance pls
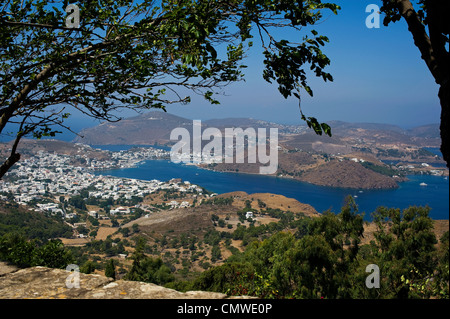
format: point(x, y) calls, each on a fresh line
point(110, 269)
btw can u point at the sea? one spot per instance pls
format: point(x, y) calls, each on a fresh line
point(435, 194)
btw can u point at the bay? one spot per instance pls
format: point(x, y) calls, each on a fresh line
point(435, 194)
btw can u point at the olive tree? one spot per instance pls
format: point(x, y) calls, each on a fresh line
point(144, 54)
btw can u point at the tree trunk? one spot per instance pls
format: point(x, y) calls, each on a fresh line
point(434, 53)
point(12, 159)
point(445, 121)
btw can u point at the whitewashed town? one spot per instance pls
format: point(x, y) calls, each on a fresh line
point(41, 181)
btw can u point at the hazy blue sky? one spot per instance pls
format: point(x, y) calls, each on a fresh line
point(378, 77)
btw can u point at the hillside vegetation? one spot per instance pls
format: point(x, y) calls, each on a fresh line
point(276, 253)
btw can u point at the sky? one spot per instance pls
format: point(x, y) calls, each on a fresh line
point(379, 77)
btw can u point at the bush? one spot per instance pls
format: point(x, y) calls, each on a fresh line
point(19, 251)
point(325, 259)
point(33, 225)
point(148, 269)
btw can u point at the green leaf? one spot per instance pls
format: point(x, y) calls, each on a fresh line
point(326, 129)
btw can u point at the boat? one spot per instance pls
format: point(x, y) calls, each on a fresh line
point(423, 184)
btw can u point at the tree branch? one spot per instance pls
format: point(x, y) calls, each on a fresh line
point(38, 25)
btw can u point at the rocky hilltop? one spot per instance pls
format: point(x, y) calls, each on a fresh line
point(49, 283)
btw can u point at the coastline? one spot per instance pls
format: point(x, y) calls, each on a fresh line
point(322, 198)
point(297, 178)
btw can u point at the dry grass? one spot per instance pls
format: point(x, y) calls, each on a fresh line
point(273, 201)
point(104, 232)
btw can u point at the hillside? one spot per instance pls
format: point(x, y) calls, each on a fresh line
point(48, 283)
point(348, 174)
point(267, 200)
point(29, 147)
point(189, 240)
point(146, 129)
point(210, 224)
point(425, 135)
point(430, 131)
point(318, 170)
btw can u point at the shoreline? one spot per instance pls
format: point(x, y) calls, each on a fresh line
point(398, 180)
point(353, 192)
point(404, 179)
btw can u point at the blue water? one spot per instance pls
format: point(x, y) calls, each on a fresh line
point(434, 150)
point(435, 195)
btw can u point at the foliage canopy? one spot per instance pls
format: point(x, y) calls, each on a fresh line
point(141, 55)
point(328, 261)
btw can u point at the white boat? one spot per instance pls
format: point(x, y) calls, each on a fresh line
point(423, 184)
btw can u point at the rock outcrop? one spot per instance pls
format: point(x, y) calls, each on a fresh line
point(48, 283)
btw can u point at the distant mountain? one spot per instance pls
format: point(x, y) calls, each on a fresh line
point(340, 126)
point(429, 131)
point(422, 136)
point(146, 129)
point(155, 127)
point(31, 147)
point(239, 122)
